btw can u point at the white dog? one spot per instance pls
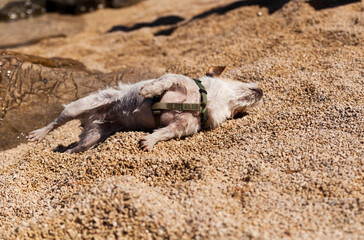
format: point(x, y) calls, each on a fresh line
point(128, 107)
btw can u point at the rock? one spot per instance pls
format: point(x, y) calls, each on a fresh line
point(121, 3)
point(15, 10)
point(33, 89)
point(34, 30)
point(74, 6)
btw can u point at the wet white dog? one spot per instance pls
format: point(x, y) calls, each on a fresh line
point(128, 107)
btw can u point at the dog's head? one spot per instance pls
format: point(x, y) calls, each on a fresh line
point(244, 96)
point(248, 95)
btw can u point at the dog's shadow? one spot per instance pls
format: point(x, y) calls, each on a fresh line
point(61, 148)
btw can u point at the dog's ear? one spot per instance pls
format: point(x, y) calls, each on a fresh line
point(215, 71)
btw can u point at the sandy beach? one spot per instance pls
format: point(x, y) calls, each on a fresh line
point(291, 169)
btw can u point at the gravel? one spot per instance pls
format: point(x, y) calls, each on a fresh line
point(291, 169)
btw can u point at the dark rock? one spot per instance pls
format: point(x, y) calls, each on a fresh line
point(33, 89)
point(22, 9)
point(121, 3)
point(15, 10)
point(74, 6)
point(23, 33)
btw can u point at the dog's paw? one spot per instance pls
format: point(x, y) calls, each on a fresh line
point(150, 90)
point(146, 143)
point(37, 135)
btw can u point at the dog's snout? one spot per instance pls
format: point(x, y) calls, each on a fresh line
point(258, 91)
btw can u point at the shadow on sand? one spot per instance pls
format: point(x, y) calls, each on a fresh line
point(177, 21)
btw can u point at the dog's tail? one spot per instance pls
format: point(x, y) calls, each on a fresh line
point(91, 102)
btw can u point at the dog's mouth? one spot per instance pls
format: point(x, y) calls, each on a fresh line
point(239, 112)
point(240, 115)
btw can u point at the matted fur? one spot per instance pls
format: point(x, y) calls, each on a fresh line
point(128, 107)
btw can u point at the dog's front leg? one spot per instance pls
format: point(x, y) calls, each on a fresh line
point(179, 128)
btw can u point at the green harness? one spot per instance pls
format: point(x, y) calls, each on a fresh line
point(158, 106)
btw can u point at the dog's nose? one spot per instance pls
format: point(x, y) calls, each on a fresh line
point(258, 91)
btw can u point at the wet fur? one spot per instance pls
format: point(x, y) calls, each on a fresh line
point(128, 107)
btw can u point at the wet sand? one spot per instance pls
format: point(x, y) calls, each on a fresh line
point(291, 169)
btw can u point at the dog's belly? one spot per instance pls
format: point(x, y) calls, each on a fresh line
point(140, 120)
point(136, 113)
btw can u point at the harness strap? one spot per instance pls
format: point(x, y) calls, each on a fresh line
point(203, 101)
point(158, 106)
point(176, 106)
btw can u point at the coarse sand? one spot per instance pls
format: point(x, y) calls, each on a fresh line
point(292, 168)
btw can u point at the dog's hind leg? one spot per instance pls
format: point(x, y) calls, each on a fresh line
point(75, 110)
point(88, 139)
point(39, 134)
point(71, 111)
